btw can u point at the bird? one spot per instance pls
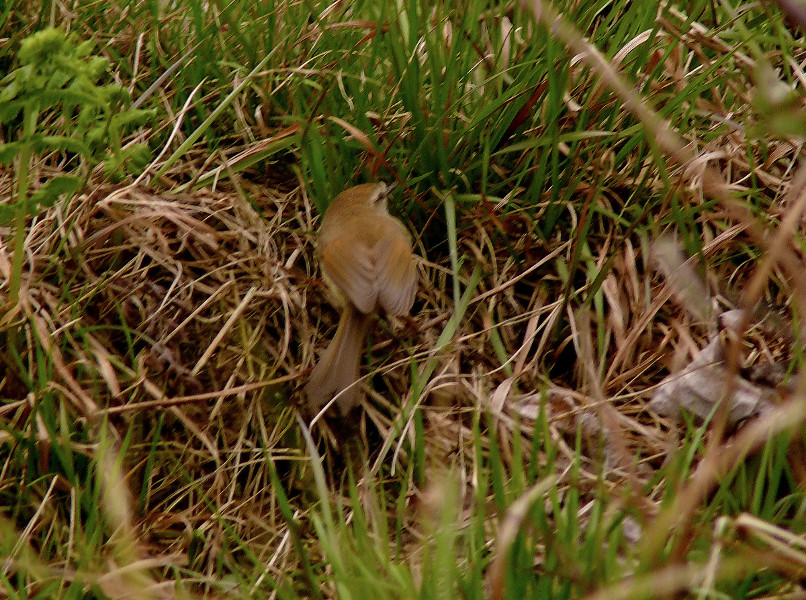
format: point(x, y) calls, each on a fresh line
point(367, 260)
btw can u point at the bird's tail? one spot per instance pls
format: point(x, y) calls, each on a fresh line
point(337, 370)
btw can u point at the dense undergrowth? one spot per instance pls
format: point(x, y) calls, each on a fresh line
point(166, 306)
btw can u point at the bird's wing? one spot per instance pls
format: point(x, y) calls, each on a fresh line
point(350, 267)
point(395, 272)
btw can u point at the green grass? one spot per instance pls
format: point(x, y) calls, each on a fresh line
point(153, 339)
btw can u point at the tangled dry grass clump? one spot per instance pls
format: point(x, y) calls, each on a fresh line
point(148, 302)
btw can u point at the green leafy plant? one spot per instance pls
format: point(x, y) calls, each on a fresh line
point(54, 102)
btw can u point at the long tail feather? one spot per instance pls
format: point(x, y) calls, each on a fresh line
point(337, 369)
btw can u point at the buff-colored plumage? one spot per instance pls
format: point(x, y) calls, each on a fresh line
point(366, 257)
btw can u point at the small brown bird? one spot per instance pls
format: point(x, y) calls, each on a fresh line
point(367, 260)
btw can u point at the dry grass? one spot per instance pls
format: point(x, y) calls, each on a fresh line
point(183, 323)
point(198, 314)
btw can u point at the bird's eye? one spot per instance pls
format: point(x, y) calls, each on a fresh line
point(379, 197)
